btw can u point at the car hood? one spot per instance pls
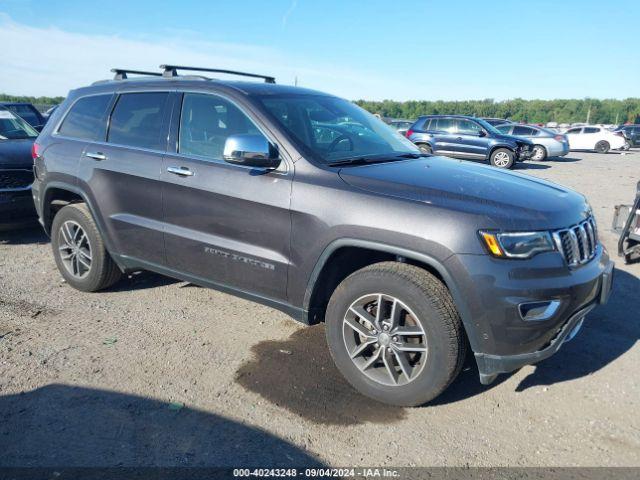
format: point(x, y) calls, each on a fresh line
point(503, 199)
point(16, 153)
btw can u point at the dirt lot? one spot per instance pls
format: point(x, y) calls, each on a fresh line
point(158, 372)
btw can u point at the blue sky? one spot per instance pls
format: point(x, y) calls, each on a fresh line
point(372, 49)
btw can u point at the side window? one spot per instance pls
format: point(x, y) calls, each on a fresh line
point(137, 118)
point(467, 127)
point(504, 128)
point(425, 124)
point(207, 121)
point(591, 130)
point(443, 124)
point(86, 119)
point(573, 131)
point(522, 131)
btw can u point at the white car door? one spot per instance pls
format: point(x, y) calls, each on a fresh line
point(574, 135)
point(589, 137)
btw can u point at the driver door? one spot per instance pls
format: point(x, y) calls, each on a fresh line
point(226, 224)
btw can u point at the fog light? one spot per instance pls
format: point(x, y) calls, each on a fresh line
point(538, 311)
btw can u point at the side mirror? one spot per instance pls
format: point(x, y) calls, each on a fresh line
point(251, 151)
point(482, 133)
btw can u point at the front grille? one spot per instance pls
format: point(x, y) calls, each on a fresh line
point(578, 243)
point(15, 179)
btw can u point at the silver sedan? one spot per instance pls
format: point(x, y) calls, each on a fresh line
point(547, 143)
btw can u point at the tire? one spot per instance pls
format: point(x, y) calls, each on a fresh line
point(426, 309)
point(425, 148)
point(88, 266)
point(539, 153)
point(602, 146)
point(502, 158)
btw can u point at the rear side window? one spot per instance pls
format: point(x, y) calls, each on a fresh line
point(591, 130)
point(86, 119)
point(137, 119)
point(574, 131)
point(443, 124)
point(522, 130)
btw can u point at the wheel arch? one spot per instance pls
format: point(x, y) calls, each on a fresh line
point(329, 272)
point(58, 194)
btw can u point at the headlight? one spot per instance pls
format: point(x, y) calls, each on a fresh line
point(517, 244)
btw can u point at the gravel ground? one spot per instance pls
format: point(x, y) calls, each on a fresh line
point(159, 372)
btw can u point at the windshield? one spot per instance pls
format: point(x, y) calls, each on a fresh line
point(333, 129)
point(487, 126)
point(13, 127)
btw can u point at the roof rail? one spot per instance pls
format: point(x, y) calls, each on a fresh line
point(172, 71)
point(121, 74)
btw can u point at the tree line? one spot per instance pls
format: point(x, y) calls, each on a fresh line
point(519, 110)
point(528, 111)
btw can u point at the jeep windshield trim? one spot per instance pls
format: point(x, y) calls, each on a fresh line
point(336, 131)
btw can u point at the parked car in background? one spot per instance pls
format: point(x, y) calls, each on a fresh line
point(27, 112)
point(631, 133)
point(16, 169)
point(407, 258)
point(49, 112)
point(468, 138)
point(546, 143)
point(595, 138)
point(496, 121)
point(401, 125)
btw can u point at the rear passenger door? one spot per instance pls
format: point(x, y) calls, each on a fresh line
point(444, 140)
point(123, 175)
point(226, 224)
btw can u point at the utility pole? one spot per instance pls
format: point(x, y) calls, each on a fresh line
point(295, 81)
point(588, 114)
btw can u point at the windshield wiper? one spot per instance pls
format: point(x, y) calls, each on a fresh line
point(379, 159)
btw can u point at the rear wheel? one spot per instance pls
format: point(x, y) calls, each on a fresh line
point(79, 251)
point(425, 148)
point(539, 153)
point(394, 333)
point(602, 146)
point(502, 158)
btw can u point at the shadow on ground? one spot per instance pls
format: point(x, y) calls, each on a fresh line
point(72, 426)
point(608, 332)
point(299, 375)
point(23, 235)
point(141, 281)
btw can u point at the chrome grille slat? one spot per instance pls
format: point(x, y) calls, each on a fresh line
point(577, 243)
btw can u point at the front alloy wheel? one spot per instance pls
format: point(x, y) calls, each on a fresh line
point(384, 339)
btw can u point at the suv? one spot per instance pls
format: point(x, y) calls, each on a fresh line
point(468, 138)
point(631, 133)
point(269, 192)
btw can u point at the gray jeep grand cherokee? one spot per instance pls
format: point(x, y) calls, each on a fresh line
point(307, 203)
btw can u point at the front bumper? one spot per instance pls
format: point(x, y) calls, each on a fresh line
point(489, 366)
point(16, 206)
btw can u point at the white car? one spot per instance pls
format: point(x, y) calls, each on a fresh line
point(594, 138)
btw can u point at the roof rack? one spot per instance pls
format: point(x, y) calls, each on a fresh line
point(121, 74)
point(172, 71)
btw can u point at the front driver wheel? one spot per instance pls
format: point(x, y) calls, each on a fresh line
point(394, 333)
point(502, 158)
point(602, 146)
point(539, 153)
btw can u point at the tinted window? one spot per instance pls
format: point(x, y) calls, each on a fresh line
point(504, 128)
point(591, 130)
point(518, 130)
point(86, 119)
point(137, 120)
point(573, 131)
point(206, 122)
point(27, 112)
point(467, 127)
point(425, 125)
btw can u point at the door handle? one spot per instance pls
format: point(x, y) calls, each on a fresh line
point(182, 171)
point(96, 155)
